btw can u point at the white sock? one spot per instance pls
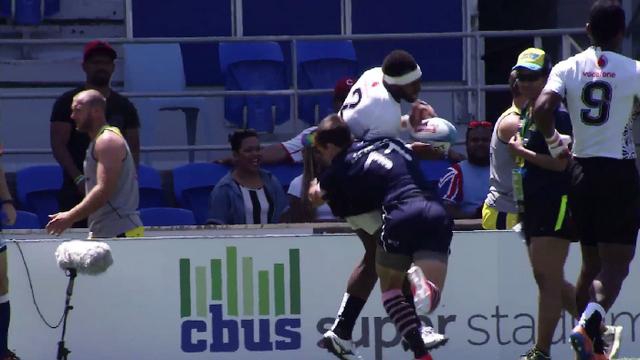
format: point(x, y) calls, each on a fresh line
point(4, 298)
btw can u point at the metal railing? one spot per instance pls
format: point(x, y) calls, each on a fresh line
point(473, 79)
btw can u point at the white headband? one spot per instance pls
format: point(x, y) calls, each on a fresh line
point(405, 79)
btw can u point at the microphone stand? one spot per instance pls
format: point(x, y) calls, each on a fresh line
point(63, 352)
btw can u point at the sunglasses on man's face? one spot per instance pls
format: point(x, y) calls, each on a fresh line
point(529, 77)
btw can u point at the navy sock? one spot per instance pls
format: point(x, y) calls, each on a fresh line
point(5, 316)
point(348, 315)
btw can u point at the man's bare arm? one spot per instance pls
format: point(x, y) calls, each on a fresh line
point(109, 151)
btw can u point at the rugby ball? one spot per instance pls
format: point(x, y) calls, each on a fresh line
point(436, 131)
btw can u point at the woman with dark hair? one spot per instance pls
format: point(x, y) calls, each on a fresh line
point(300, 208)
point(247, 194)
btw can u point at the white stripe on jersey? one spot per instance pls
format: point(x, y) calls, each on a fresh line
point(256, 205)
point(600, 88)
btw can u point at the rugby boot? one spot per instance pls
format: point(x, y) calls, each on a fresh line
point(535, 354)
point(432, 340)
point(341, 348)
point(612, 338)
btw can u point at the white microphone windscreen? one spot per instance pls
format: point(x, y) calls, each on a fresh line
point(86, 256)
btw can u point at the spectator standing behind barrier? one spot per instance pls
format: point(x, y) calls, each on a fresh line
point(464, 187)
point(8, 218)
point(70, 145)
point(500, 211)
point(111, 180)
point(247, 194)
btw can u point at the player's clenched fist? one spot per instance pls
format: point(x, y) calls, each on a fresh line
point(420, 110)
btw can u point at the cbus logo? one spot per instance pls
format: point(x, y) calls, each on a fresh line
point(240, 315)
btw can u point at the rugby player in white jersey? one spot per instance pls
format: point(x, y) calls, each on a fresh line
point(372, 110)
point(599, 86)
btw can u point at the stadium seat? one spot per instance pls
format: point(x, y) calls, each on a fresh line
point(166, 216)
point(150, 188)
point(5, 8)
point(159, 68)
point(192, 185)
point(51, 7)
point(25, 220)
point(320, 65)
point(28, 12)
point(37, 188)
point(254, 66)
point(284, 172)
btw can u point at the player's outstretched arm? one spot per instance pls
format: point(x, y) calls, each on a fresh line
point(542, 160)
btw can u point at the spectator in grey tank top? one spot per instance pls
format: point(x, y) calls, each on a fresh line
point(111, 182)
point(247, 194)
point(499, 211)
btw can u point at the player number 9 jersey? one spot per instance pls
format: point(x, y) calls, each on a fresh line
point(600, 88)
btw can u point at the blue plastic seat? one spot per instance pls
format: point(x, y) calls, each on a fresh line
point(5, 8)
point(192, 185)
point(159, 68)
point(284, 172)
point(28, 12)
point(254, 66)
point(25, 220)
point(37, 188)
point(51, 7)
point(320, 65)
point(166, 216)
point(150, 188)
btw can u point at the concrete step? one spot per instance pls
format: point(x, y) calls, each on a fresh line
point(54, 72)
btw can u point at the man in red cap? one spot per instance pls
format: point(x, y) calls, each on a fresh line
point(68, 145)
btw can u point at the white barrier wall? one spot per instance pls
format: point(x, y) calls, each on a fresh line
point(271, 297)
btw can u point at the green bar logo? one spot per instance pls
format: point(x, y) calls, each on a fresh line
point(240, 303)
point(196, 291)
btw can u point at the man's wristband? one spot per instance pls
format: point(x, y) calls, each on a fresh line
point(7, 201)
point(78, 179)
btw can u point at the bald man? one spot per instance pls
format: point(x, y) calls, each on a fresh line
point(111, 183)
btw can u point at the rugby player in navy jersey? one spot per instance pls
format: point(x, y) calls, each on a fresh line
point(384, 174)
point(372, 110)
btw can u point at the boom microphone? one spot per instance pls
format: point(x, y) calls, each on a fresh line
point(85, 256)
